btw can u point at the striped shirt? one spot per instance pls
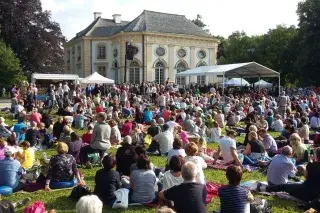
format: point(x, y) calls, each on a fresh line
point(233, 199)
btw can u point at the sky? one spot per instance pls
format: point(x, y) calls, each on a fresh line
point(222, 16)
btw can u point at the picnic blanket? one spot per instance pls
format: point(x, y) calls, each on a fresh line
point(221, 165)
point(251, 185)
point(212, 191)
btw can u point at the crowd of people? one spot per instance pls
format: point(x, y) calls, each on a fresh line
point(163, 120)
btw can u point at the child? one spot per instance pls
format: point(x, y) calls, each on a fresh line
point(86, 137)
point(215, 132)
point(27, 157)
point(22, 135)
point(79, 120)
point(202, 149)
point(182, 134)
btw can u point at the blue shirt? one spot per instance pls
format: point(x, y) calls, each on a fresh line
point(17, 128)
point(147, 116)
point(280, 168)
point(233, 199)
point(10, 170)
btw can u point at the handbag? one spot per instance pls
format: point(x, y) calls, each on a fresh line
point(260, 206)
point(80, 191)
point(122, 200)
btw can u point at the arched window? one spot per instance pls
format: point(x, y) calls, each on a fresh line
point(201, 79)
point(134, 72)
point(181, 80)
point(159, 74)
point(101, 52)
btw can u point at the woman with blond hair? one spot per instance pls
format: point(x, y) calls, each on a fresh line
point(254, 150)
point(300, 151)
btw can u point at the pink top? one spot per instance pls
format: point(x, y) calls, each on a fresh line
point(184, 137)
point(36, 117)
point(1, 152)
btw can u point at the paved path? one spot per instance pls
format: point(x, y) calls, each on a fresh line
point(5, 103)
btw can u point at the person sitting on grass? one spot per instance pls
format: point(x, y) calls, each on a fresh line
point(192, 156)
point(125, 156)
point(173, 176)
point(277, 125)
point(189, 196)
point(306, 191)
point(227, 148)
point(27, 157)
point(281, 167)
point(10, 170)
point(139, 150)
point(240, 196)
point(304, 130)
point(22, 136)
point(254, 150)
point(269, 143)
point(75, 145)
point(62, 167)
point(142, 182)
point(33, 134)
point(100, 140)
point(115, 137)
point(66, 135)
point(107, 181)
point(300, 151)
point(177, 149)
point(163, 141)
point(86, 137)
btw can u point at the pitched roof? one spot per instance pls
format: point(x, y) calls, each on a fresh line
point(147, 21)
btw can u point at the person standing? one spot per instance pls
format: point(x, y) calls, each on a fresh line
point(284, 103)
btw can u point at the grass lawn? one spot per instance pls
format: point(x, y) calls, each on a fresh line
point(58, 199)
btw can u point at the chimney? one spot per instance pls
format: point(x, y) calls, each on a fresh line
point(96, 15)
point(117, 18)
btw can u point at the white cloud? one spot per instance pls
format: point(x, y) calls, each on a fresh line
point(223, 17)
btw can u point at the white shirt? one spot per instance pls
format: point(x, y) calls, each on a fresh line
point(215, 134)
point(169, 180)
point(172, 125)
point(66, 88)
point(175, 152)
point(201, 164)
point(314, 122)
point(226, 144)
point(183, 115)
point(277, 125)
point(183, 105)
point(60, 91)
point(165, 140)
point(162, 100)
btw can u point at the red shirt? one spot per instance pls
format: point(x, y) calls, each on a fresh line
point(35, 117)
point(126, 129)
point(166, 115)
point(86, 137)
point(99, 109)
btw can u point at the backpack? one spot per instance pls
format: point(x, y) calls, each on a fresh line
point(80, 191)
point(260, 206)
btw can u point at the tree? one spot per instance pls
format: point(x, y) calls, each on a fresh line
point(34, 38)
point(10, 70)
point(198, 21)
point(309, 45)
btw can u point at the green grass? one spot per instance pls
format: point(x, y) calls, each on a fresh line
point(58, 199)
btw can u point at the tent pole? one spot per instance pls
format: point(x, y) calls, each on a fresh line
point(259, 83)
point(223, 84)
point(279, 85)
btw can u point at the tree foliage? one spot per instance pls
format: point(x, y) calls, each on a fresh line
point(34, 38)
point(198, 21)
point(10, 70)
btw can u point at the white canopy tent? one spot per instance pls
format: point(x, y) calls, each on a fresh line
point(263, 83)
point(96, 78)
point(236, 82)
point(53, 77)
point(242, 70)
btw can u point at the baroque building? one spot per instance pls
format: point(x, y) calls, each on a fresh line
point(164, 44)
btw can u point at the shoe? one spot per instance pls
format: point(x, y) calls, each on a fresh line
point(261, 187)
point(23, 202)
point(88, 165)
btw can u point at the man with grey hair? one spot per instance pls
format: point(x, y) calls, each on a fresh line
point(281, 167)
point(89, 204)
point(186, 195)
